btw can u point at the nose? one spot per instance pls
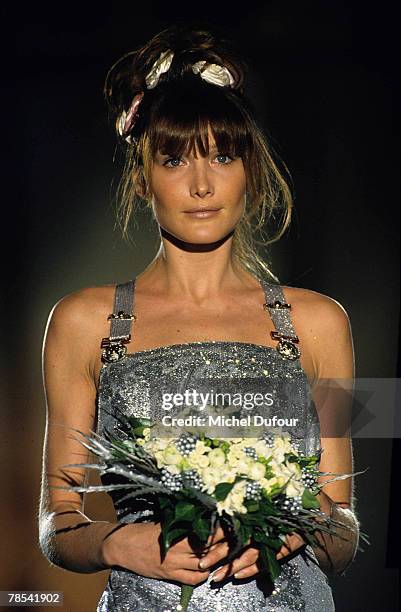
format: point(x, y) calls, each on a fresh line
point(201, 178)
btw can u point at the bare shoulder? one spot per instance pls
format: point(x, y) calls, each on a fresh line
point(82, 308)
point(311, 307)
point(78, 322)
point(324, 329)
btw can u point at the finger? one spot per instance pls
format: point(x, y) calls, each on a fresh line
point(247, 572)
point(293, 543)
point(297, 540)
point(214, 556)
point(217, 536)
point(184, 561)
point(190, 577)
point(245, 560)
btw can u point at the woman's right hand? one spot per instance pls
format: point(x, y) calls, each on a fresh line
point(136, 547)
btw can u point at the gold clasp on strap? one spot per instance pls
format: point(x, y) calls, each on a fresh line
point(279, 336)
point(113, 348)
point(123, 316)
point(276, 305)
point(286, 345)
point(114, 340)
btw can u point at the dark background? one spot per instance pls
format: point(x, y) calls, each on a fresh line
point(323, 80)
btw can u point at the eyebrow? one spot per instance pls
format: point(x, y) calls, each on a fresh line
point(212, 149)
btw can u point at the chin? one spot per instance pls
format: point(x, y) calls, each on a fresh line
point(203, 237)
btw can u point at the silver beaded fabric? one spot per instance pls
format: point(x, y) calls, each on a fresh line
point(127, 386)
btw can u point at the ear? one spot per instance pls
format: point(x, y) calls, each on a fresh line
point(140, 185)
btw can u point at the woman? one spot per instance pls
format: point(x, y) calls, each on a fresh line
point(196, 157)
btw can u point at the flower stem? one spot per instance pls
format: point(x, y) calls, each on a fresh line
point(186, 594)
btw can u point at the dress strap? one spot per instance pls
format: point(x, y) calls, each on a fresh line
point(279, 311)
point(121, 319)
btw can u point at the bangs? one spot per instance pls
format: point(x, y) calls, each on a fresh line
point(180, 121)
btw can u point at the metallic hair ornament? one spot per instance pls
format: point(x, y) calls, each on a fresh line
point(160, 66)
point(212, 73)
point(127, 120)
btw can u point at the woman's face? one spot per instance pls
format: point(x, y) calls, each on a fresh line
point(180, 186)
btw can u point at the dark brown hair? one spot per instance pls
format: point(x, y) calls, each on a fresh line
point(174, 117)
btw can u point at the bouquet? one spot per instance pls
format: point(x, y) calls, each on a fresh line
point(256, 489)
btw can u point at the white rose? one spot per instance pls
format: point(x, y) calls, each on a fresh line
point(294, 488)
point(196, 459)
point(243, 466)
point(294, 469)
point(171, 456)
point(257, 471)
point(262, 449)
point(217, 457)
point(234, 500)
point(173, 469)
point(273, 482)
point(201, 447)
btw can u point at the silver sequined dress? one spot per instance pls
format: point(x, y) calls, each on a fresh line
point(128, 386)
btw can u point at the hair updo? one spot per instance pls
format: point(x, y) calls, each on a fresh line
point(175, 116)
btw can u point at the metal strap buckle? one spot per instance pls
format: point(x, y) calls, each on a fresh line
point(276, 305)
point(279, 336)
point(113, 348)
point(286, 345)
point(115, 340)
point(122, 316)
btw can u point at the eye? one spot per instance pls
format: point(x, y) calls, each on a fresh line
point(223, 158)
point(172, 162)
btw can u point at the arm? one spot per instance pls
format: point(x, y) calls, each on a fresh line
point(327, 340)
point(333, 357)
point(67, 537)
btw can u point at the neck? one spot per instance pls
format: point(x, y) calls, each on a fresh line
point(196, 271)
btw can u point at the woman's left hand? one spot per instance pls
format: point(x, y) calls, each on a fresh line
point(245, 566)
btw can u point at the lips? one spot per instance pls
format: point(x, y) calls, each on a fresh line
point(202, 209)
point(202, 213)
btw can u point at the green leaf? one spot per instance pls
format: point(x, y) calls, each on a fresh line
point(270, 562)
point(252, 507)
point(222, 490)
point(260, 537)
point(184, 511)
point(164, 502)
point(309, 500)
point(245, 532)
point(274, 543)
point(174, 535)
point(201, 528)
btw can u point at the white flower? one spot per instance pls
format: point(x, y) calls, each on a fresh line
point(217, 457)
point(294, 468)
point(262, 450)
point(157, 444)
point(196, 460)
point(171, 456)
point(173, 469)
point(257, 471)
point(212, 476)
point(268, 484)
point(201, 447)
point(234, 500)
point(294, 488)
